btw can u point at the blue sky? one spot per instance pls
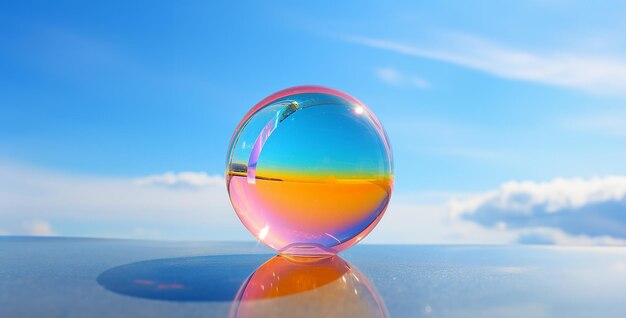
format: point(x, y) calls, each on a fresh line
point(472, 95)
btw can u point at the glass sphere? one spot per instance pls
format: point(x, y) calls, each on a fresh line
point(309, 171)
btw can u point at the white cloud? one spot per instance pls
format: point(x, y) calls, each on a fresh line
point(554, 236)
point(555, 195)
point(415, 223)
point(396, 78)
point(183, 179)
point(38, 228)
point(584, 211)
point(589, 73)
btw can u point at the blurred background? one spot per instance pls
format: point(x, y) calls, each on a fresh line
point(507, 120)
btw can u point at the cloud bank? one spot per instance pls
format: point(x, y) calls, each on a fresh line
point(187, 205)
point(195, 206)
point(595, 74)
point(593, 208)
point(182, 179)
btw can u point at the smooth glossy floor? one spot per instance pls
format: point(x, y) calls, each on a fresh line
point(60, 277)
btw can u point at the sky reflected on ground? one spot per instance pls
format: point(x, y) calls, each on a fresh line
point(328, 287)
point(109, 278)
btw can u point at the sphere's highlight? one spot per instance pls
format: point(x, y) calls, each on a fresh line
point(309, 171)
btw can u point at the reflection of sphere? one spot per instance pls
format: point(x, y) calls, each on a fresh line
point(309, 171)
point(328, 287)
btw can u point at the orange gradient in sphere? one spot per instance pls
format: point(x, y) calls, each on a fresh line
point(310, 171)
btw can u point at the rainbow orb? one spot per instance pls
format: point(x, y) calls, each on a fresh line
point(309, 171)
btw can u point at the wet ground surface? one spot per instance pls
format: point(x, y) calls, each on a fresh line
point(66, 277)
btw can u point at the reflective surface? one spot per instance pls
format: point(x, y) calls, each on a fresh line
point(328, 287)
point(184, 279)
point(44, 277)
point(309, 171)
